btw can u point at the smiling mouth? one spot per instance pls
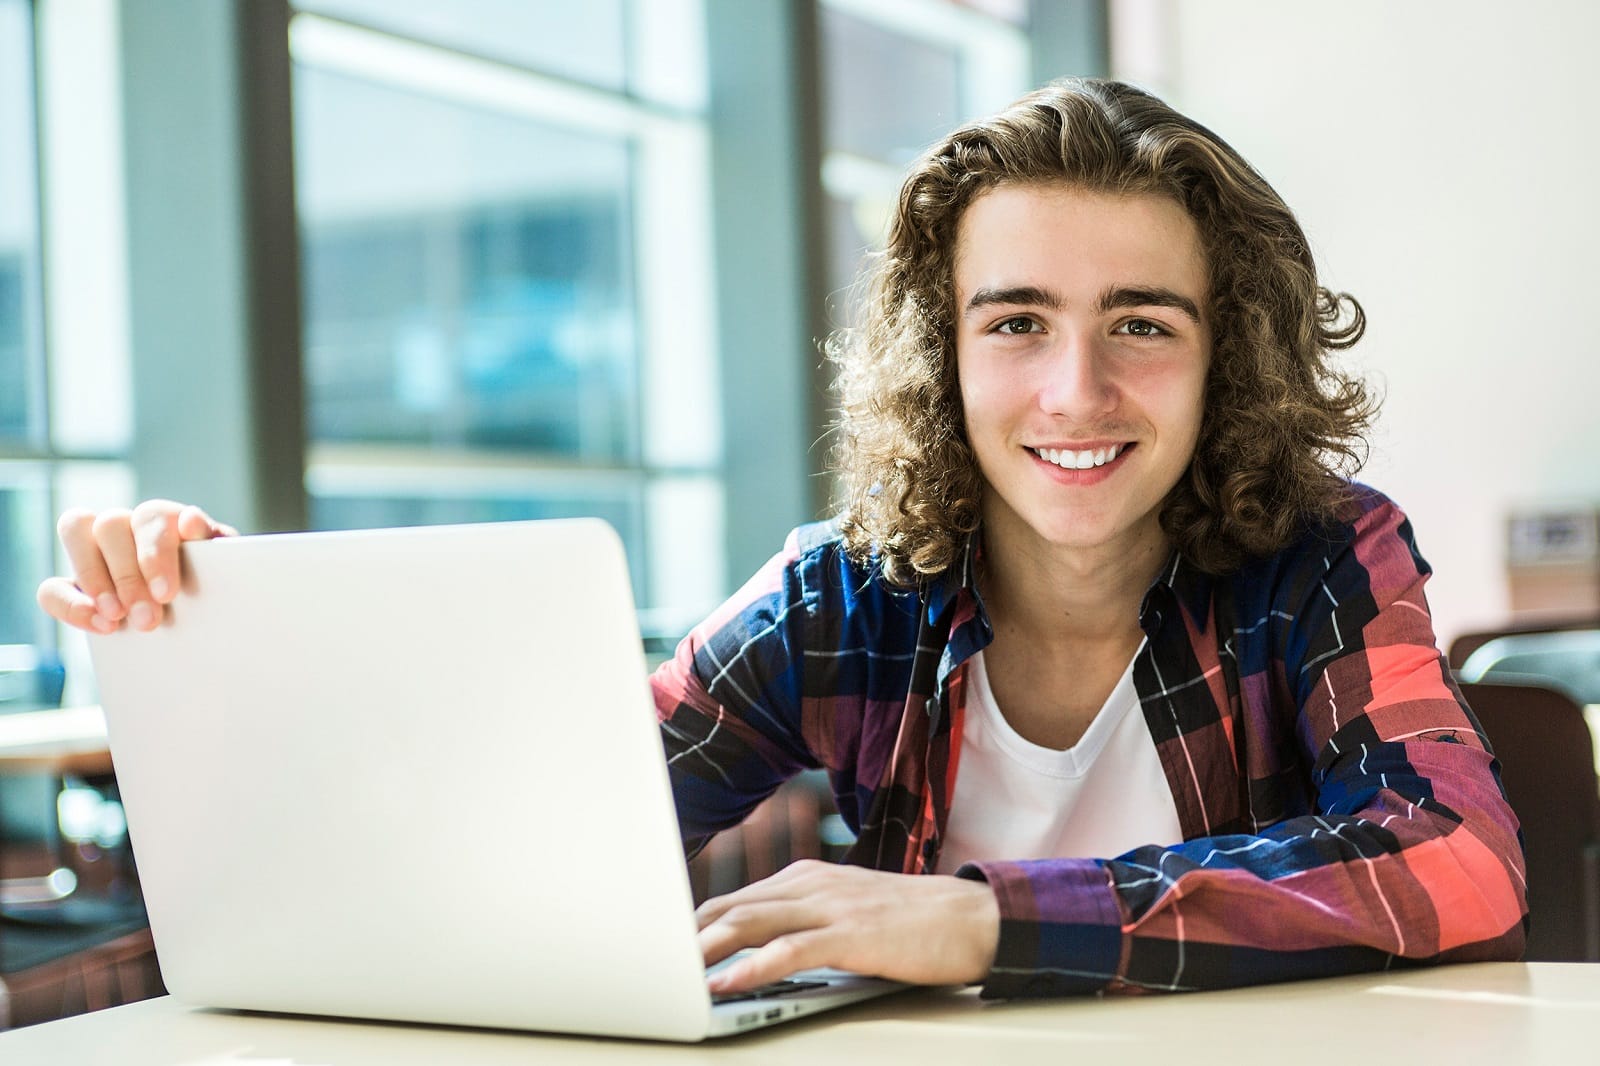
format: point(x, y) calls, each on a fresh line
point(1088, 459)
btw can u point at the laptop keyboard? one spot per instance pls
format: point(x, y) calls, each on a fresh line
point(776, 988)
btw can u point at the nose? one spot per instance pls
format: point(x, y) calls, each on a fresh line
point(1076, 382)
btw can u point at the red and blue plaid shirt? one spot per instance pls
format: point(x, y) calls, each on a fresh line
point(1341, 810)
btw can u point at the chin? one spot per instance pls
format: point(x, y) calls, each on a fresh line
point(1078, 534)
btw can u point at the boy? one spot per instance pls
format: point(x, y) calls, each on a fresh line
point(1096, 555)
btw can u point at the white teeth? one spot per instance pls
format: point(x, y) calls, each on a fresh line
point(1085, 460)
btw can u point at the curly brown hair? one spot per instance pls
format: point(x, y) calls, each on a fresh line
point(1282, 428)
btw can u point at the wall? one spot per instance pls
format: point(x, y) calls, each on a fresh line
point(1441, 156)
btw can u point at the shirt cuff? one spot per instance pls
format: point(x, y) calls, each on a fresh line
point(1060, 927)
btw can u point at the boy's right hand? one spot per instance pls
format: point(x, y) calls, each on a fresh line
point(125, 564)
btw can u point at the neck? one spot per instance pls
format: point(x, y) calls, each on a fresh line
point(1053, 594)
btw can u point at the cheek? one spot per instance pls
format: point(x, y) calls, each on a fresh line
point(989, 415)
point(1175, 390)
point(1185, 409)
point(1191, 414)
point(978, 399)
point(1191, 396)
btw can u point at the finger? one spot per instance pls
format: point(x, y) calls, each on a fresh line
point(755, 924)
point(779, 958)
point(66, 602)
point(113, 534)
point(155, 525)
point(712, 909)
point(781, 885)
point(76, 530)
point(195, 524)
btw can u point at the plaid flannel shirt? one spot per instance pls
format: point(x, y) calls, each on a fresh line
point(1341, 809)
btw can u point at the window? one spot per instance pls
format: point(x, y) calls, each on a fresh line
point(505, 219)
point(24, 486)
point(897, 75)
point(506, 271)
point(20, 369)
point(65, 405)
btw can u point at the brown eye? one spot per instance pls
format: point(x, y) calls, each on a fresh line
point(1141, 327)
point(1020, 324)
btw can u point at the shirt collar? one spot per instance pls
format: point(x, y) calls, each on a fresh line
point(944, 589)
point(1188, 584)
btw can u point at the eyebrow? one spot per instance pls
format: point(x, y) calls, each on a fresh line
point(1111, 298)
point(1016, 294)
point(1137, 296)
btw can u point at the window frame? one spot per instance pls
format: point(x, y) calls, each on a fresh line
point(676, 421)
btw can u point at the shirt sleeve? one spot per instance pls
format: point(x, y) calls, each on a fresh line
point(1412, 854)
point(728, 702)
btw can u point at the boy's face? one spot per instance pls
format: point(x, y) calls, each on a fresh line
point(1082, 351)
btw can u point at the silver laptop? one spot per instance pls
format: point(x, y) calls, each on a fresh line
point(415, 774)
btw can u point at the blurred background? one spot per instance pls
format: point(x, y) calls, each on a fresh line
point(341, 263)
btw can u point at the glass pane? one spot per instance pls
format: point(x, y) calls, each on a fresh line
point(13, 346)
point(468, 275)
point(849, 241)
point(25, 538)
point(583, 41)
point(886, 96)
point(686, 562)
point(19, 229)
point(621, 507)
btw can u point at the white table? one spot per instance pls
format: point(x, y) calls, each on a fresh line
point(71, 740)
point(1509, 1014)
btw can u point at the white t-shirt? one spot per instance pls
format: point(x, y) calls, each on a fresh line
point(1015, 799)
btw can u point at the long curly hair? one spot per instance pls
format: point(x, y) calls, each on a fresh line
point(1282, 428)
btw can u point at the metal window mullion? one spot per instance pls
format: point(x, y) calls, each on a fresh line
point(36, 324)
point(769, 244)
point(275, 351)
point(643, 344)
point(464, 78)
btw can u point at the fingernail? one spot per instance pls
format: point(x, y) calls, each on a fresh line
point(159, 589)
point(109, 606)
point(143, 616)
point(102, 623)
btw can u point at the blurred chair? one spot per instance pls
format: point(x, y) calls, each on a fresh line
point(30, 680)
point(1570, 659)
point(66, 944)
point(1462, 647)
point(798, 821)
point(1547, 763)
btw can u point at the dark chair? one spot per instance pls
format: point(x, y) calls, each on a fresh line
point(1547, 762)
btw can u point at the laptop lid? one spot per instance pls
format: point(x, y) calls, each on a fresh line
point(410, 774)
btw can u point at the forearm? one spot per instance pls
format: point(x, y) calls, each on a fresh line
point(1426, 870)
point(724, 752)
